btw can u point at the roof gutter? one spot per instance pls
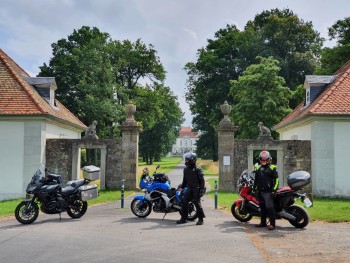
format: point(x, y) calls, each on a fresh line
point(41, 117)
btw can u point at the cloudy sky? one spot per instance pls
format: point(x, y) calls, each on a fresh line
point(176, 28)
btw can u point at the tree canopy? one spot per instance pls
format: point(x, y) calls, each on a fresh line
point(162, 119)
point(97, 76)
point(290, 40)
point(280, 34)
point(262, 96)
point(333, 58)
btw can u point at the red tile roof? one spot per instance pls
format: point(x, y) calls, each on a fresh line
point(187, 131)
point(18, 98)
point(333, 101)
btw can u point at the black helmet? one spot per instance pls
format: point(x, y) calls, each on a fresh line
point(190, 159)
point(264, 157)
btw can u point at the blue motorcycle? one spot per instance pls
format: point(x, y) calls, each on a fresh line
point(160, 196)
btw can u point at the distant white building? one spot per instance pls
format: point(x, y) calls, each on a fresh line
point(186, 142)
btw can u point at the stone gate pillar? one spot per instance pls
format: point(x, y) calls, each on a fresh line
point(130, 147)
point(226, 131)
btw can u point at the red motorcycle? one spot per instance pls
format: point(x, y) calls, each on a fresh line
point(248, 206)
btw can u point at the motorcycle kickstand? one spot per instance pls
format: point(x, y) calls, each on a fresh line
point(164, 216)
point(60, 216)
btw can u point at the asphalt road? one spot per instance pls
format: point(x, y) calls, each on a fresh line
point(108, 233)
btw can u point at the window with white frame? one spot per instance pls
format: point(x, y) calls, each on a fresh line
point(307, 97)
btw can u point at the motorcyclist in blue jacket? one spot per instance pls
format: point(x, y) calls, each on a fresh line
point(266, 184)
point(193, 179)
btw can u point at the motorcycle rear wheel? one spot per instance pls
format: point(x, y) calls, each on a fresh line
point(301, 215)
point(26, 216)
point(141, 211)
point(78, 209)
point(192, 212)
point(239, 214)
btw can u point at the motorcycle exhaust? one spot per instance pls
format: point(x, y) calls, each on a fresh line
point(286, 215)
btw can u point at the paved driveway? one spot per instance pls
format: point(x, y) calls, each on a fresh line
point(108, 233)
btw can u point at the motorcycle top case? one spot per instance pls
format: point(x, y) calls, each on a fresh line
point(91, 172)
point(160, 177)
point(298, 179)
point(88, 192)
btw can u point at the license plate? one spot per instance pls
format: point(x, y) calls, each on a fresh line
point(307, 202)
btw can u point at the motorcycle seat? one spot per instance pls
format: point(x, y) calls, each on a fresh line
point(72, 186)
point(68, 190)
point(283, 190)
point(76, 183)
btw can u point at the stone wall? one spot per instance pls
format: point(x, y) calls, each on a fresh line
point(119, 158)
point(291, 156)
point(60, 155)
point(235, 156)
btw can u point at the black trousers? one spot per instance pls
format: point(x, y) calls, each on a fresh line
point(191, 195)
point(267, 207)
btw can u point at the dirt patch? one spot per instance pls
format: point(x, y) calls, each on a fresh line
point(318, 242)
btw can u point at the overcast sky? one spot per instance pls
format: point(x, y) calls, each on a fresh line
point(176, 28)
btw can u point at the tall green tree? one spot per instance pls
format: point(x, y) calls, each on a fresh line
point(162, 118)
point(228, 55)
point(208, 85)
point(135, 61)
point(85, 79)
point(262, 97)
point(290, 40)
point(97, 76)
point(333, 58)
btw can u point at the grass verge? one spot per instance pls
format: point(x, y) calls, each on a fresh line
point(209, 167)
point(166, 165)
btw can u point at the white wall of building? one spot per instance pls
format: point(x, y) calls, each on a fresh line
point(22, 150)
point(297, 133)
point(57, 132)
point(342, 158)
point(323, 158)
point(34, 149)
point(11, 159)
point(330, 144)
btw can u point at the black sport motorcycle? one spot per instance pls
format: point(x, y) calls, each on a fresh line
point(45, 192)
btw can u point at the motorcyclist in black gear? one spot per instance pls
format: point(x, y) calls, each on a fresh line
point(193, 179)
point(266, 184)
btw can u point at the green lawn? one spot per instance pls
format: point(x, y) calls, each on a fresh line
point(8, 207)
point(323, 209)
point(166, 165)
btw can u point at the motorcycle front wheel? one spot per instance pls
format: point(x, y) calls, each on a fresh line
point(26, 214)
point(141, 211)
point(301, 215)
point(239, 214)
point(77, 209)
